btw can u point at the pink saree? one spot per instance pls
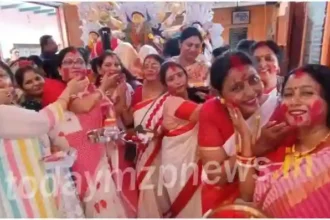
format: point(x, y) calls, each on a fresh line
point(101, 192)
point(296, 190)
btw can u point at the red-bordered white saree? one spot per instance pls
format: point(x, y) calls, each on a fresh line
point(181, 168)
point(216, 131)
point(149, 114)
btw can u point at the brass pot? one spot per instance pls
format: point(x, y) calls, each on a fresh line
point(249, 211)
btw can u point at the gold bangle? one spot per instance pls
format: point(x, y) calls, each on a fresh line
point(246, 165)
point(239, 157)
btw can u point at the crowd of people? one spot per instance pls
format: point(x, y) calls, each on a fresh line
point(195, 134)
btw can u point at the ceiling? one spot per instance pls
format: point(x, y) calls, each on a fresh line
point(45, 8)
point(236, 4)
point(49, 8)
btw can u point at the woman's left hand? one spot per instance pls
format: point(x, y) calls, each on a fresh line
point(121, 89)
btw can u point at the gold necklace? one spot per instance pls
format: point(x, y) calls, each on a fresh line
point(304, 153)
point(293, 158)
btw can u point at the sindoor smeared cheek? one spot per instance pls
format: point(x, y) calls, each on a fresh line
point(82, 74)
point(283, 110)
point(66, 73)
point(273, 69)
point(293, 120)
point(232, 103)
point(316, 110)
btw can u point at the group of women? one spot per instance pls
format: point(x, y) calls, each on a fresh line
point(250, 143)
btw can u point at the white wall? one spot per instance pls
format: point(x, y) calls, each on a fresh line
point(25, 28)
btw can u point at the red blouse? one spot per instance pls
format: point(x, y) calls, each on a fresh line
point(52, 90)
point(137, 96)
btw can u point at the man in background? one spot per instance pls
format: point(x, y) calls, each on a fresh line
point(48, 56)
point(48, 47)
point(14, 55)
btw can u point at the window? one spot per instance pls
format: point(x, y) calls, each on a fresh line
point(237, 34)
point(316, 12)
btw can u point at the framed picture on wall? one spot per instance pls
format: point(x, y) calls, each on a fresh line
point(241, 17)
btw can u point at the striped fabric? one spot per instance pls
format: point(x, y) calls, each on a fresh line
point(24, 186)
point(301, 191)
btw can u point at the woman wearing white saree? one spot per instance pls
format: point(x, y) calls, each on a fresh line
point(181, 168)
point(147, 103)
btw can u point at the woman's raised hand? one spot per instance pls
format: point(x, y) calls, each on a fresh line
point(238, 120)
point(247, 136)
point(77, 85)
point(6, 95)
point(109, 81)
point(121, 89)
